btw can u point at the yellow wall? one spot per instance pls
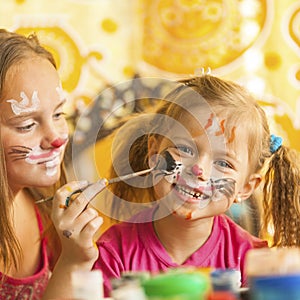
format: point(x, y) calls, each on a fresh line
point(101, 42)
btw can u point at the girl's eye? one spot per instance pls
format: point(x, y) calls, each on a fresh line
point(59, 115)
point(185, 150)
point(224, 164)
point(26, 127)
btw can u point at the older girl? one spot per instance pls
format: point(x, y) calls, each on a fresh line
point(34, 136)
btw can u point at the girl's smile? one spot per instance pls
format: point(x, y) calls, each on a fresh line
point(40, 156)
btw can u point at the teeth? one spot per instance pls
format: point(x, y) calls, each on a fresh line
point(187, 192)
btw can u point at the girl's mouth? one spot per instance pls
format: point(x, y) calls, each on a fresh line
point(192, 193)
point(41, 158)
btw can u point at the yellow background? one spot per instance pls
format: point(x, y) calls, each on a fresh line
point(104, 42)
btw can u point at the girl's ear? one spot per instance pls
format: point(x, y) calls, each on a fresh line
point(153, 147)
point(249, 187)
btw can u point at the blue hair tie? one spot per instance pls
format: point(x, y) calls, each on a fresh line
point(275, 143)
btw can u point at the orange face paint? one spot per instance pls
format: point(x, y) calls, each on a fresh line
point(188, 216)
point(209, 121)
point(222, 128)
point(232, 135)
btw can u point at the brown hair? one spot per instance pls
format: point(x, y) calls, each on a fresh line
point(15, 48)
point(280, 200)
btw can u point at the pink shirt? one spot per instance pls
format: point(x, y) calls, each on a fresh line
point(31, 287)
point(134, 246)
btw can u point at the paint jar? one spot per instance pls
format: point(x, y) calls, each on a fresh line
point(128, 286)
point(275, 287)
point(272, 261)
point(273, 274)
point(221, 295)
point(87, 285)
point(172, 286)
point(128, 290)
point(228, 280)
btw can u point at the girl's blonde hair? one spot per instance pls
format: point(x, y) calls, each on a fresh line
point(15, 48)
point(226, 98)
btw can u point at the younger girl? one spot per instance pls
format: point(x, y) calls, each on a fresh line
point(206, 144)
point(33, 136)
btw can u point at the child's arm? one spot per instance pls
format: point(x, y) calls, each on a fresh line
point(76, 225)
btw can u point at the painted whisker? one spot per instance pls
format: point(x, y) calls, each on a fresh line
point(224, 186)
point(19, 149)
point(19, 152)
point(20, 157)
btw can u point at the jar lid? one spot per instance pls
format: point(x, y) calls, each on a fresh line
point(170, 284)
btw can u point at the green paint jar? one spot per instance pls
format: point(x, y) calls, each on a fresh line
point(176, 286)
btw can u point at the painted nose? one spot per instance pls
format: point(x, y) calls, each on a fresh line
point(58, 142)
point(197, 171)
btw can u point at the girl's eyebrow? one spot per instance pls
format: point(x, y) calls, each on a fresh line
point(229, 153)
point(32, 113)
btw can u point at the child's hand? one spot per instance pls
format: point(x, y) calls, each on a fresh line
point(77, 223)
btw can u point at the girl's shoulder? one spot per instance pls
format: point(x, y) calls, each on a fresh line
point(235, 232)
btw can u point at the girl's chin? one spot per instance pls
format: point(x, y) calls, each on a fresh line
point(49, 179)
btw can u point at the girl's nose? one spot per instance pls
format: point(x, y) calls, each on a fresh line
point(53, 137)
point(197, 171)
point(58, 142)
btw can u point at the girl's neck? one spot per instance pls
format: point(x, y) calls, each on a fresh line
point(27, 232)
point(180, 237)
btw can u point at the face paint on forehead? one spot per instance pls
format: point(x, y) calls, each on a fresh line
point(60, 92)
point(218, 128)
point(25, 105)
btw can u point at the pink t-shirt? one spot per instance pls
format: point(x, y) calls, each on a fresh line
point(134, 246)
point(31, 287)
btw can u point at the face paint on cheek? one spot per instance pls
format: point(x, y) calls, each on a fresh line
point(25, 105)
point(173, 177)
point(52, 167)
point(169, 167)
point(223, 187)
point(50, 158)
point(19, 152)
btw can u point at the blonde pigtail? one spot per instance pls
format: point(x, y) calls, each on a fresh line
point(281, 202)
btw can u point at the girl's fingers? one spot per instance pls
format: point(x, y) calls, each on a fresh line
point(62, 195)
point(89, 230)
point(83, 199)
point(91, 191)
point(84, 218)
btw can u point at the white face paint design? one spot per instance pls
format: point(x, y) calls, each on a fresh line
point(60, 92)
point(205, 191)
point(212, 126)
point(25, 106)
point(51, 158)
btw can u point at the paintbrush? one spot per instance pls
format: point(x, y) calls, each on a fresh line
point(166, 164)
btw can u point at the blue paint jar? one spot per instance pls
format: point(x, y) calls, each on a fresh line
point(275, 287)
